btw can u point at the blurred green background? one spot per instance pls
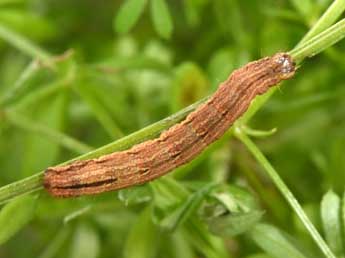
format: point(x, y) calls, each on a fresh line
point(109, 68)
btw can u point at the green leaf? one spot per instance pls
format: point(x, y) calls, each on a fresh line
point(190, 84)
point(343, 213)
point(331, 221)
point(193, 11)
point(56, 244)
point(167, 192)
point(257, 132)
point(304, 7)
point(8, 2)
point(223, 62)
point(15, 215)
point(179, 246)
point(142, 239)
point(236, 199)
point(135, 195)
point(259, 256)
point(105, 90)
point(50, 113)
point(161, 18)
point(210, 246)
point(77, 213)
point(89, 95)
point(231, 21)
point(234, 224)
point(85, 243)
point(275, 242)
point(23, 44)
point(184, 211)
point(40, 27)
point(128, 15)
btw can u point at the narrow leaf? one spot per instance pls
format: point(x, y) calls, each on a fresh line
point(15, 215)
point(274, 242)
point(343, 214)
point(89, 95)
point(234, 224)
point(75, 214)
point(138, 246)
point(330, 214)
point(135, 195)
point(236, 199)
point(303, 7)
point(56, 244)
point(49, 113)
point(208, 245)
point(189, 85)
point(259, 256)
point(192, 10)
point(180, 247)
point(128, 15)
point(161, 18)
point(86, 243)
point(23, 44)
point(183, 212)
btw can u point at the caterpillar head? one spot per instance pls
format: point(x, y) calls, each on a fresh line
point(284, 66)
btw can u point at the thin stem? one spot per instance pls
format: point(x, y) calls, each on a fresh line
point(320, 42)
point(60, 138)
point(24, 186)
point(327, 19)
point(285, 192)
point(36, 96)
point(302, 8)
point(258, 102)
point(20, 86)
point(99, 111)
point(23, 44)
point(17, 88)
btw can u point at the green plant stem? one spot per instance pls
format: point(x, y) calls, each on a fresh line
point(23, 44)
point(18, 85)
point(285, 191)
point(302, 9)
point(21, 187)
point(41, 94)
point(326, 20)
point(99, 111)
point(60, 138)
point(258, 102)
point(320, 42)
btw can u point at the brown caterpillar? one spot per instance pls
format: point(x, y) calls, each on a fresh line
point(180, 143)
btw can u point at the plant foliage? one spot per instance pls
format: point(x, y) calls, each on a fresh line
point(92, 77)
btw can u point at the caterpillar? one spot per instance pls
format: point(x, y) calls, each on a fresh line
point(177, 145)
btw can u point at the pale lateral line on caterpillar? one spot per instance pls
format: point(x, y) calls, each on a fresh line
point(177, 145)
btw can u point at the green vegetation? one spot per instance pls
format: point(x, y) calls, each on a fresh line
point(84, 78)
